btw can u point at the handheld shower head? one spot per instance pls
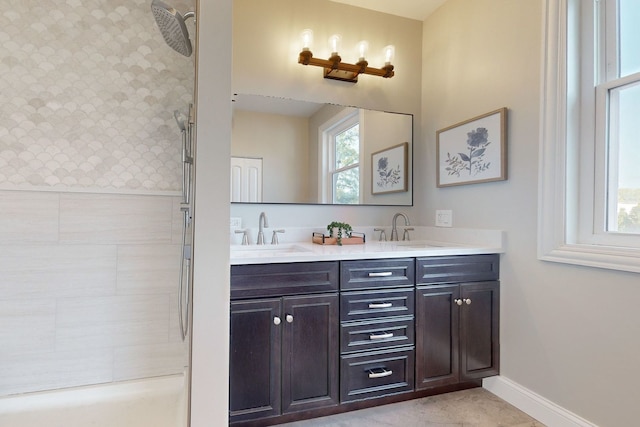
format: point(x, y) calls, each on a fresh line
point(181, 119)
point(172, 27)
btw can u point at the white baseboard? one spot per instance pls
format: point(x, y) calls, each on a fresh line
point(533, 404)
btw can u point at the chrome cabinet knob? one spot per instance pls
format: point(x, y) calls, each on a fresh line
point(458, 301)
point(289, 318)
point(276, 320)
point(467, 301)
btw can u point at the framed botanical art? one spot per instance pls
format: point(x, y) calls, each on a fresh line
point(389, 170)
point(473, 151)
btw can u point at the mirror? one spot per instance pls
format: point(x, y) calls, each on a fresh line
point(289, 151)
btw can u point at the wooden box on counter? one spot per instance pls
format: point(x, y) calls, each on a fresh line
point(355, 239)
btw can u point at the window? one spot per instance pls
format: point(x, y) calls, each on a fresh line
point(590, 148)
point(617, 111)
point(341, 157)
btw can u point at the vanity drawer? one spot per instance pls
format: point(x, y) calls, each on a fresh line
point(378, 273)
point(376, 373)
point(456, 269)
point(266, 280)
point(376, 334)
point(361, 305)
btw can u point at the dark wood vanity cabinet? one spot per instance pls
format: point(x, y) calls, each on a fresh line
point(315, 338)
point(377, 328)
point(457, 323)
point(283, 351)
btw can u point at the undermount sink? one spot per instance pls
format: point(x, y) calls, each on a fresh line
point(267, 250)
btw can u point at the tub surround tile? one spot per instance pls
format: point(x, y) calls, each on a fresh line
point(106, 282)
point(148, 269)
point(142, 361)
point(28, 217)
point(110, 219)
point(47, 371)
point(107, 322)
point(54, 271)
point(27, 326)
point(84, 108)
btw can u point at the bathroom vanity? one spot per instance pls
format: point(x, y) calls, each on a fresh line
point(319, 330)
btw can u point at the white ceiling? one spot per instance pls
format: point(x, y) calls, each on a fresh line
point(414, 9)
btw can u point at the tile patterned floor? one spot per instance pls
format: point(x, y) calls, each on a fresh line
point(468, 408)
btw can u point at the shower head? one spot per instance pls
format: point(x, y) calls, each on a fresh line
point(181, 119)
point(171, 25)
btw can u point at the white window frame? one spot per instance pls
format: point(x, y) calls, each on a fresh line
point(571, 171)
point(326, 132)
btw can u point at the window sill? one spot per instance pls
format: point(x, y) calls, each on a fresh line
point(607, 257)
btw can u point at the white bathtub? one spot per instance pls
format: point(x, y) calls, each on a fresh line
point(154, 402)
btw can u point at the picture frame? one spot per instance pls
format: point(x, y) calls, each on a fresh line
point(389, 169)
point(473, 151)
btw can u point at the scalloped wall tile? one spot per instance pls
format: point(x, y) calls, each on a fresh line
point(89, 89)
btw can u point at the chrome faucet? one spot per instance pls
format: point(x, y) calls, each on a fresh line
point(394, 229)
point(274, 237)
point(262, 224)
point(383, 236)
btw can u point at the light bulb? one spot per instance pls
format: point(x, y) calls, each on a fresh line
point(363, 46)
point(307, 39)
point(334, 43)
point(389, 53)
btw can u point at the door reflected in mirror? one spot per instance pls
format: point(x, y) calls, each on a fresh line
point(311, 153)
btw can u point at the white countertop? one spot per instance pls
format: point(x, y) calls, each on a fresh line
point(309, 252)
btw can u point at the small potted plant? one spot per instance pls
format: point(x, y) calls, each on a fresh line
point(341, 228)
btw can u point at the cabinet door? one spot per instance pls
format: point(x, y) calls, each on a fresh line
point(479, 329)
point(437, 335)
point(254, 362)
point(310, 352)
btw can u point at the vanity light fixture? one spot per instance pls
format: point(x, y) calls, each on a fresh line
point(335, 69)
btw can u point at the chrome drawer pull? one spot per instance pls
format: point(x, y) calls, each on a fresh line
point(381, 274)
point(380, 374)
point(380, 305)
point(381, 336)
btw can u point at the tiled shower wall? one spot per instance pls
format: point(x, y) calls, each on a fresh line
point(89, 177)
point(88, 89)
point(88, 289)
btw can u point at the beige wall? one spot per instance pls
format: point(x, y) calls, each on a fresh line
point(382, 131)
point(266, 43)
point(282, 142)
point(568, 333)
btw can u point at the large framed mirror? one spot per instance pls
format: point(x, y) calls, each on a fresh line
point(290, 151)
